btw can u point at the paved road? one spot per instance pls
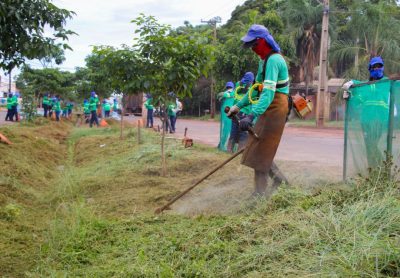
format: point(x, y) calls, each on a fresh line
point(323, 146)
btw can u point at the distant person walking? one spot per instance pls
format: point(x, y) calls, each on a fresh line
point(93, 103)
point(46, 104)
point(150, 110)
point(10, 108)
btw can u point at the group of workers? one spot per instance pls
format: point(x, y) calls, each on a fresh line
point(12, 107)
point(57, 107)
point(168, 114)
point(91, 109)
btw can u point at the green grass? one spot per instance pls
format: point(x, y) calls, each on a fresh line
point(95, 218)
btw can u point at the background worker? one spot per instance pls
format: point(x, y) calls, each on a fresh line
point(57, 107)
point(237, 136)
point(10, 108)
point(86, 110)
point(106, 108)
point(150, 110)
point(171, 112)
point(15, 107)
point(269, 111)
point(93, 103)
point(374, 111)
point(226, 99)
point(70, 106)
point(46, 104)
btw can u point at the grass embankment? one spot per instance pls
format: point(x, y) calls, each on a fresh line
point(102, 222)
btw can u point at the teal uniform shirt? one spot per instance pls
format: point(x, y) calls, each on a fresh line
point(148, 104)
point(106, 106)
point(57, 106)
point(276, 72)
point(227, 99)
point(46, 100)
point(10, 103)
point(86, 108)
point(171, 110)
point(93, 102)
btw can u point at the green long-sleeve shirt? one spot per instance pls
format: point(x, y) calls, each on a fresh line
point(10, 102)
point(149, 104)
point(93, 102)
point(276, 72)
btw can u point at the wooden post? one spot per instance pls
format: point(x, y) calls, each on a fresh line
point(323, 66)
point(139, 122)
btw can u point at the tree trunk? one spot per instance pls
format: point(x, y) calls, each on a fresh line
point(9, 81)
point(163, 160)
point(122, 117)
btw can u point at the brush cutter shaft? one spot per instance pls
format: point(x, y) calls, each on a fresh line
point(159, 210)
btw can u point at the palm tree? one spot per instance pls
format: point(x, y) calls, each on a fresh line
point(304, 20)
point(373, 30)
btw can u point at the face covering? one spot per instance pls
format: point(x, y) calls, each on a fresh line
point(262, 48)
point(376, 73)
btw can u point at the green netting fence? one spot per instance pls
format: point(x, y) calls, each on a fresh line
point(372, 126)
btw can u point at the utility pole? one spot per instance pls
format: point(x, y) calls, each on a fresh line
point(213, 22)
point(323, 93)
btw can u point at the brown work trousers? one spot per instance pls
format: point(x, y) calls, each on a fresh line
point(260, 153)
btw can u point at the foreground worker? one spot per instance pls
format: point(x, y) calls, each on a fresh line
point(150, 109)
point(93, 103)
point(226, 99)
point(238, 137)
point(269, 110)
point(373, 112)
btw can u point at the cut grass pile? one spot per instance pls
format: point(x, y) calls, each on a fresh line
point(97, 219)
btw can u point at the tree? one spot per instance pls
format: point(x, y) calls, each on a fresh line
point(304, 19)
point(22, 34)
point(35, 82)
point(173, 63)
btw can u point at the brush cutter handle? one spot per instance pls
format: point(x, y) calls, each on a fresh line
point(236, 118)
point(166, 206)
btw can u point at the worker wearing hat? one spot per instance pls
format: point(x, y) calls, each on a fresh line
point(238, 137)
point(269, 107)
point(226, 99)
point(373, 111)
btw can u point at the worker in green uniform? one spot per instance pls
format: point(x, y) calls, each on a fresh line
point(10, 108)
point(86, 110)
point(70, 106)
point(45, 104)
point(171, 112)
point(150, 109)
point(269, 109)
point(374, 111)
point(226, 99)
point(238, 137)
point(57, 107)
point(106, 108)
point(93, 103)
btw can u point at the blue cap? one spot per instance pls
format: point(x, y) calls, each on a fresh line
point(259, 31)
point(248, 78)
point(374, 61)
point(229, 85)
point(148, 95)
point(92, 94)
point(85, 100)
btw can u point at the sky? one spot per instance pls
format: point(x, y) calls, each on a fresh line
point(107, 22)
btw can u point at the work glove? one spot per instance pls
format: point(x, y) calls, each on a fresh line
point(233, 111)
point(346, 86)
point(246, 122)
